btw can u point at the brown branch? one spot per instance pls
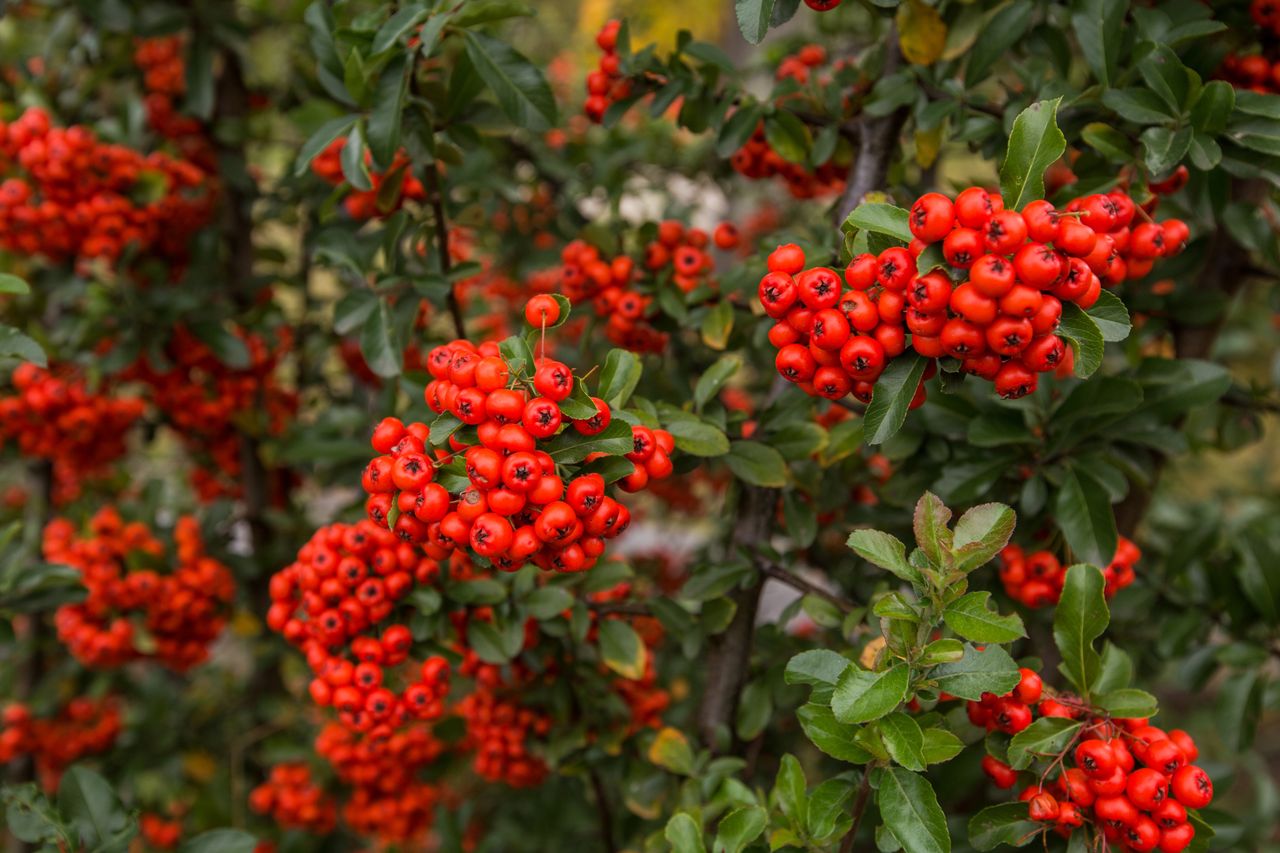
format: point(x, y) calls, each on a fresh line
point(603, 811)
point(859, 808)
point(878, 140)
point(729, 652)
point(794, 581)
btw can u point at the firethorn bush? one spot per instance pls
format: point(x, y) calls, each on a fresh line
point(729, 425)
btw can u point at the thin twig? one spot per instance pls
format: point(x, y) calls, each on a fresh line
point(859, 808)
point(793, 580)
point(603, 810)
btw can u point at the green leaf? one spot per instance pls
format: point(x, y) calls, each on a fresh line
point(800, 518)
point(354, 168)
point(622, 649)
point(14, 343)
point(1006, 823)
point(980, 534)
point(753, 18)
point(714, 379)
point(320, 140)
point(829, 809)
point(1080, 619)
point(1136, 105)
point(909, 807)
point(670, 749)
point(1035, 144)
point(1164, 148)
point(738, 128)
point(698, 438)
point(757, 464)
point(799, 440)
point(1082, 510)
point(861, 696)
point(1085, 338)
point(788, 136)
point(221, 841)
point(1128, 702)
point(1003, 30)
point(353, 309)
point(619, 377)
point(941, 746)
point(830, 735)
point(520, 87)
point(790, 790)
point(1165, 75)
point(1108, 142)
point(571, 446)
point(11, 284)
point(1099, 27)
point(226, 345)
point(398, 26)
point(379, 343)
point(887, 552)
point(489, 643)
point(929, 523)
point(903, 739)
point(486, 11)
point(877, 218)
point(383, 129)
point(1111, 317)
point(816, 667)
point(1046, 736)
point(970, 617)
point(1213, 107)
point(548, 602)
point(718, 325)
point(892, 396)
point(988, 671)
point(683, 834)
point(739, 828)
point(518, 355)
point(90, 806)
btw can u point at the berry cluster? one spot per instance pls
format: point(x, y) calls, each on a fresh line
point(497, 730)
point(66, 195)
point(345, 582)
point(1132, 782)
point(363, 204)
point(55, 416)
point(513, 507)
point(1251, 71)
point(210, 403)
point(132, 612)
point(388, 801)
point(84, 727)
point(822, 5)
point(611, 285)
point(757, 160)
point(1035, 579)
point(165, 80)
point(993, 302)
point(606, 85)
point(294, 801)
point(158, 831)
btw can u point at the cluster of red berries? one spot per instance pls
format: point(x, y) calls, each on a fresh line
point(611, 284)
point(84, 727)
point(66, 195)
point(345, 582)
point(1014, 272)
point(1251, 71)
point(159, 831)
point(757, 160)
point(210, 404)
point(165, 80)
point(606, 85)
point(1266, 14)
point(498, 730)
point(363, 204)
point(294, 801)
point(1035, 579)
point(1132, 781)
point(388, 799)
point(822, 5)
point(516, 508)
point(55, 416)
point(132, 612)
